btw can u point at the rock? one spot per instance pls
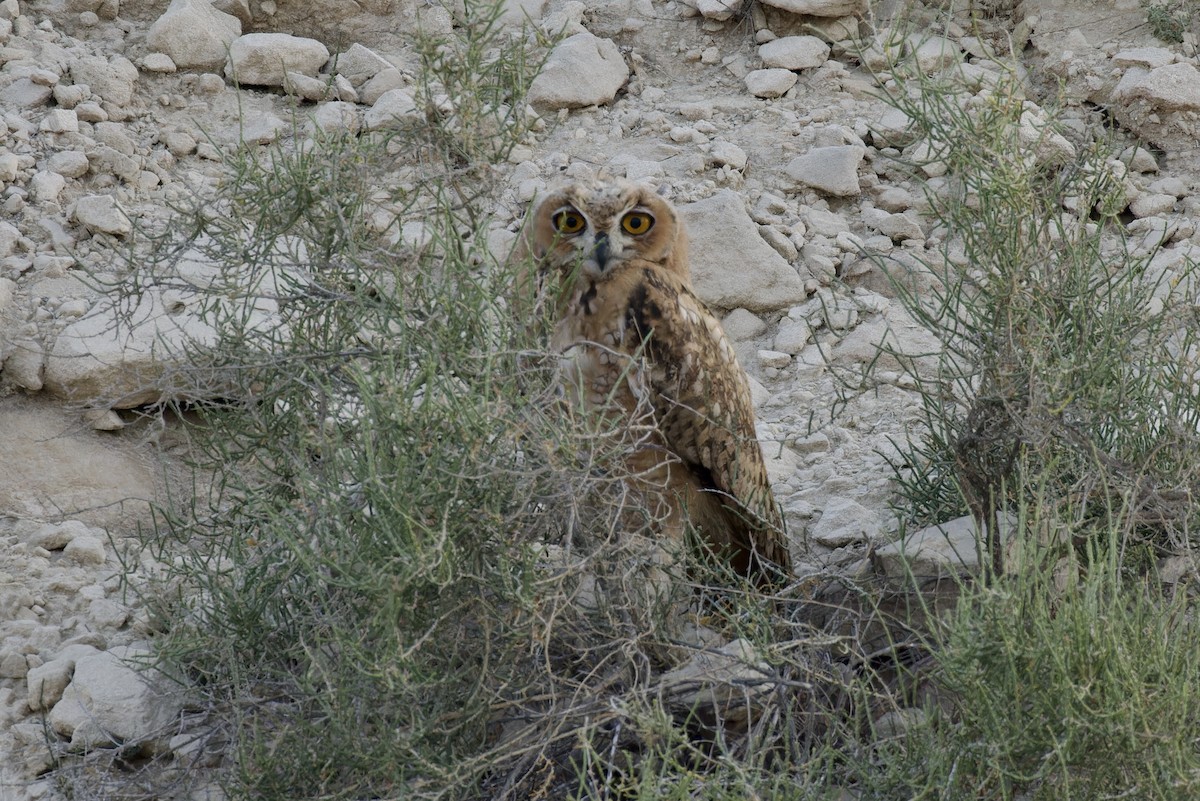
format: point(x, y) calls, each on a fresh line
point(770, 83)
point(740, 325)
point(820, 8)
point(46, 683)
point(732, 266)
point(844, 522)
point(832, 170)
point(951, 548)
point(113, 80)
point(106, 361)
point(24, 93)
point(1150, 204)
point(384, 81)
point(86, 550)
point(45, 187)
point(102, 214)
point(360, 64)
point(159, 62)
point(60, 120)
point(719, 684)
point(1170, 87)
point(793, 336)
point(582, 70)
point(112, 700)
point(263, 59)
point(305, 86)
point(515, 13)
point(794, 53)
point(933, 53)
point(69, 163)
point(336, 117)
point(194, 35)
point(726, 153)
point(719, 10)
point(393, 109)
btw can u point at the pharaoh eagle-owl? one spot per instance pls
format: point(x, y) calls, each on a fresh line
point(635, 341)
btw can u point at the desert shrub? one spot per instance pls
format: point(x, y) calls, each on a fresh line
point(1066, 355)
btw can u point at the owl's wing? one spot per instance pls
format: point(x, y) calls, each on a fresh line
point(704, 412)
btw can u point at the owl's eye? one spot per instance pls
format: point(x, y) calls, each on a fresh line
point(568, 221)
point(637, 222)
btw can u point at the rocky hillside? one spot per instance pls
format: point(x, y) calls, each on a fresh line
point(761, 120)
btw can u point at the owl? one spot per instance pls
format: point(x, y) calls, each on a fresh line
point(634, 341)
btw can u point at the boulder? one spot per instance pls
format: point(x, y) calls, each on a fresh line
point(264, 59)
point(732, 266)
point(194, 34)
point(582, 70)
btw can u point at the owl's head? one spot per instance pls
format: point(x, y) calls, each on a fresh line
point(603, 227)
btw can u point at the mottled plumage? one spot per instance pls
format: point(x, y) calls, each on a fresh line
point(637, 342)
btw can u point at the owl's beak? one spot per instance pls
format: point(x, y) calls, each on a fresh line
point(601, 252)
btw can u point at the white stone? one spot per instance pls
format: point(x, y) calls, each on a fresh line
point(1171, 87)
point(582, 70)
point(112, 79)
point(263, 59)
point(793, 336)
point(336, 117)
point(60, 120)
point(741, 325)
point(516, 13)
point(46, 186)
point(719, 10)
point(86, 550)
point(732, 266)
point(159, 62)
point(1148, 57)
point(1150, 204)
point(820, 8)
point(385, 81)
point(727, 153)
point(112, 698)
point(832, 170)
point(794, 53)
point(393, 109)
point(774, 359)
point(56, 536)
point(360, 64)
point(770, 83)
point(10, 166)
point(950, 548)
point(45, 683)
point(844, 522)
point(69, 163)
point(933, 53)
point(306, 86)
point(102, 213)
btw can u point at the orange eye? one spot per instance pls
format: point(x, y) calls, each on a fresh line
point(568, 221)
point(637, 222)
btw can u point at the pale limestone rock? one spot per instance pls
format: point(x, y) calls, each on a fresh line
point(194, 35)
point(1148, 57)
point(820, 8)
point(951, 548)
point(306, 86)
point(722, 684)
point(726, 153)
point(336, 117)
point(384, 81)
point(794, 53)
point(719, 10)
point(102, 214)
point(263, 59)
point(60, 120)
point(582, 70)
point(112, 79)
point(770, 83)
point(113, 699)
point(1150, 204)
point(516, 13)
point(85, 550)
point(69, 163)
point(1170, 87)
point(832, 170)
point(393, 109)
point(732, 266)
point(360, 64)
point(46, 186)
point(934, 53)
point(741, 325)
point(844, 522)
